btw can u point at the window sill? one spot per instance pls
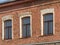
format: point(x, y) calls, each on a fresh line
point(25, 37)
point(8, 39)
point(46, 35)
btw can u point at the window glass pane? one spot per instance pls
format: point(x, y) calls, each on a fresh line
point(10, 32)
point(45, 28)
point(24, 31)
point(8, 23)
point(26, 20)
point(50, 27)
point(48, 17)
point(28, 30)
point(6, 33)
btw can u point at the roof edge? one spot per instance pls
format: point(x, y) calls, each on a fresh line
point(14, 2)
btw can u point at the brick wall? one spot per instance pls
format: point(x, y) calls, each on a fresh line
point(36, 25)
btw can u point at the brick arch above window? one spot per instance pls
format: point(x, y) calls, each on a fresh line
point(45, 11)
point(7, 17)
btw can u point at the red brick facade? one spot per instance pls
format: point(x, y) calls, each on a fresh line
point(15, 11)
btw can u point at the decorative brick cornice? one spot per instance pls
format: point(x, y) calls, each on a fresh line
point(14, 2)
point(25, 5)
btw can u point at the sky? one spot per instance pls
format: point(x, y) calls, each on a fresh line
point(2, 1)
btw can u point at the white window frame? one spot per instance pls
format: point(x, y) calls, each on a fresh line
point(4, 18)
point(45, 11)
point(26, 14)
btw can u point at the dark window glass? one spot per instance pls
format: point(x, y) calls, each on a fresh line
point(48, 24)
point(26, 27)
point(8, 29)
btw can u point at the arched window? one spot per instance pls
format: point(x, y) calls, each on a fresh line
point(8, 29)
point(48, 24)
point(47, 21)
point(26, 27)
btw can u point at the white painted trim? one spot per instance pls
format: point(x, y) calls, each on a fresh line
point(45, 11)
point(22, 16)
point(3, 19)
